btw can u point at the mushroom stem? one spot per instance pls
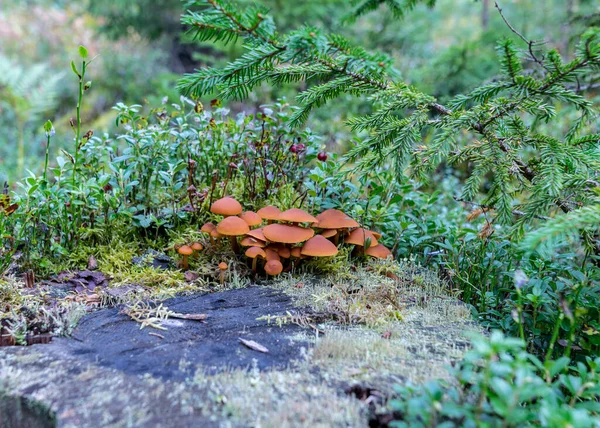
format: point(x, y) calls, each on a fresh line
point(336, 238)
point(234, 244)
point(254, 262)
point(222, 276)
point(185, 262)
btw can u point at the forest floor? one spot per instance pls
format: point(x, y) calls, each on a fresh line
point(300, 350)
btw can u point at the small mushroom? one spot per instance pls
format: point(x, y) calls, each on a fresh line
point(360, 237)
point(379, 251)
point(233, 227)
point(269, 213)
point(251, 218)
point(254, 253)
point(328, 233)
point(215, 234)
point(197, 247)
point(296, 253)
point(273, 267)
point(271, 254)
point(249, 241)
point(335, 219)
point(208, 228)
point(226, 207)
point(319, 246)
point(223, 268)
point(284, 253)
point(287, 234)
point(185, 251)
point(257, 234)
point(295, 216)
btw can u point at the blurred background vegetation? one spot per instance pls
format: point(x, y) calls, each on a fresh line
point(142, 49)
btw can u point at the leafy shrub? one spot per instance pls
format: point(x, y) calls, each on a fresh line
point(413, 221)
point(500, 384)
point(157, 175)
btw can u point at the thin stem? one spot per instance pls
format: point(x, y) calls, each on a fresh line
point(554, 337)
point(78, 124)
point(46, 161)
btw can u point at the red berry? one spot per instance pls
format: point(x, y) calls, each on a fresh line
point(322, 156)
point(294, 148)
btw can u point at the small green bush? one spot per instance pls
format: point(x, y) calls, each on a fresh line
point(500, 384)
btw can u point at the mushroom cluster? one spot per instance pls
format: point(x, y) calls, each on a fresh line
point(188, 250)
point(288, 236)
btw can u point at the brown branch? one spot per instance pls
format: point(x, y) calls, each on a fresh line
point(530, 43)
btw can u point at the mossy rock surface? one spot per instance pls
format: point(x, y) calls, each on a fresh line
point(112, 373)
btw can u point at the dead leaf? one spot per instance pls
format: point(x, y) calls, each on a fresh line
point(387, 334)
point(253, 345)
point(191, 276)
point(92, 263)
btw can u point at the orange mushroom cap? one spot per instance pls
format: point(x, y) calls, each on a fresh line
point(226, 206)
point(328, 233)
point(335, 219)
point(296, 252)
point(223, 266)
point(257, 234)
point(269, 212)
point(287, 234)
point(197, 246)
point(296, 215)
point(251, 218)
point(276, 246)
point(319, 246)
point(379, 251)
point(285, 253)
point(254, 252)
point(233, 226)
point(272, 254)
point(273, 267)
point(215, 234)
point(359, 237)
point(208, 227)
point(249, 241)
point(185, 250)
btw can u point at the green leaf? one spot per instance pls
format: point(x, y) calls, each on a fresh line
point(83, 52)
point(74, 68)
point(48, 127)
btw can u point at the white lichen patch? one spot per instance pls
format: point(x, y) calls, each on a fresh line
point(278, 399)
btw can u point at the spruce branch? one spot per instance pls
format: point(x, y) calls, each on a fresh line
point(492, 128)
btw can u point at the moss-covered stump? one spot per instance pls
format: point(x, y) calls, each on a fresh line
point(322, 367)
